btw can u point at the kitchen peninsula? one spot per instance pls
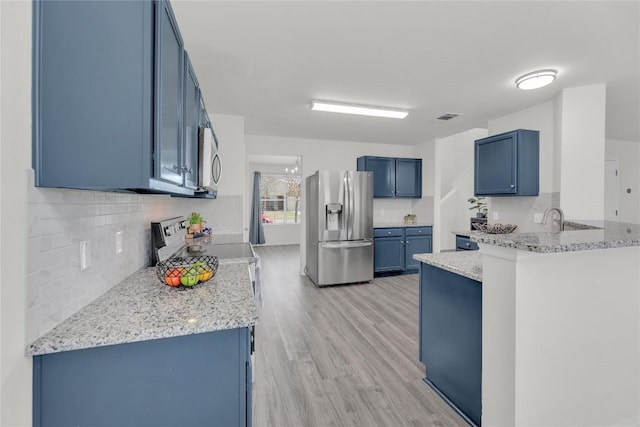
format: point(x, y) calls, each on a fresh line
point(148, 354)
point(560, 324)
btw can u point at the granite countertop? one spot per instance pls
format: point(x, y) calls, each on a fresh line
point(465, 233)
point(140, 308)
point(611, 235)
point(401, 224)
point(464, 263)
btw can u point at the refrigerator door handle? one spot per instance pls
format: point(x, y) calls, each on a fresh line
point(352, 207)
point(346, 245)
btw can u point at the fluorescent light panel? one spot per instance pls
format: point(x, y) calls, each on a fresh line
point(362, 110)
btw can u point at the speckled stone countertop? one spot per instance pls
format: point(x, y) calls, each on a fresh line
point(465, 233)
point(464, 263)
point(401, 224)
point(141, 308)
point(612, 235)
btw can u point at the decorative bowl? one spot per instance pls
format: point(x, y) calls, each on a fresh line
point(187, 272)
point(494, 228)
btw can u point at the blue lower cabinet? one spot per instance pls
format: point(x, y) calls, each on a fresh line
point(464, 243)
point(450, 343)
point(394, 248)
point(388, 254)
point(194, 380)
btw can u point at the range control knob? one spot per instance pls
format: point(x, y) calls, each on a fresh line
point(168, 231)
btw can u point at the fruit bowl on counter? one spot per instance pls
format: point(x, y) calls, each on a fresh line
point(187, 272)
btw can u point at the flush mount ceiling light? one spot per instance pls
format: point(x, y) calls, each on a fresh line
point(363, 110)
point(536, 79)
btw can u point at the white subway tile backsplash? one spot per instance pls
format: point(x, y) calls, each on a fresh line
point(520, 210)
point(58, 219)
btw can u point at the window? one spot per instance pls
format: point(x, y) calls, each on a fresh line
point(280, 198)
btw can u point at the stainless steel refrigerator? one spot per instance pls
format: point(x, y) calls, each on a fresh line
point(339, 227)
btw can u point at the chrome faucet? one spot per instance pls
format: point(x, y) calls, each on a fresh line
point(549, 211)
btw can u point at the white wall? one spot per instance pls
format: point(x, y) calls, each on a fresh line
point(15, 160)
point(318, 155)
point(582, 152)
point(561, 340)
point(628, 156)
point(453, 186)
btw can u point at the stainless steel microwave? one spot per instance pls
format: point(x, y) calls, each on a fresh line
point(209, 165)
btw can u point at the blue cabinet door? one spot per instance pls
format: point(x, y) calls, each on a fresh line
point(408, 178)
point(451, 338)
point(496, 165)
point(93, 94)
point(463, 243)
point(191, 124)
point(192, 380)
point(384, 176)
point(388, 254)
point(416, 245)
point(169, 97)
point(393, 177)
point(507, 164)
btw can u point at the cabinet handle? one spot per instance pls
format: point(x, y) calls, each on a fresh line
point(512, 185)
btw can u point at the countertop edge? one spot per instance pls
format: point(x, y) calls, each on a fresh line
point(75, 333)
point(466, 263)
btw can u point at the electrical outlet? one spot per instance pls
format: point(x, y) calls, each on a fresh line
point(85, 251)
point(537, 218)
point(118, 242)
point(495, 216)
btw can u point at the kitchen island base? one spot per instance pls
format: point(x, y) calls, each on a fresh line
point(450, 343)
point(191, 380)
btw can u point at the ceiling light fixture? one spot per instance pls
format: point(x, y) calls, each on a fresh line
point(536, 79)
point(363, 110)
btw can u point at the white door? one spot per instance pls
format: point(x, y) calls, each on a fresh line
point(611, 190)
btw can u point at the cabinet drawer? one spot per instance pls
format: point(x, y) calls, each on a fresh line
point(465, 244)
point(418, 231)
point(388, 232)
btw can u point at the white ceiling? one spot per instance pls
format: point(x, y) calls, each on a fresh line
point(266, 60)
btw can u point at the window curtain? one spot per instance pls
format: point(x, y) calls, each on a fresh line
point(256, 230)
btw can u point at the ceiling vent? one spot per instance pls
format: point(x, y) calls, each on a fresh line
point(447, 116)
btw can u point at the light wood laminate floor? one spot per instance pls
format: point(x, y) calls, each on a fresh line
point(341, 355)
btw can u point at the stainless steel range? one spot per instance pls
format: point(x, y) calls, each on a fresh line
point(168, 240)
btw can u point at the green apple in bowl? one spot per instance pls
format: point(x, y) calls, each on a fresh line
point(189, 279)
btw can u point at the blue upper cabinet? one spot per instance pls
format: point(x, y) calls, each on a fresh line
point(507, 164)
point(409, 178)
point(169, 75)
point(191, 123)
point(109, 109)
point(384, 177)
point(393, 177)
